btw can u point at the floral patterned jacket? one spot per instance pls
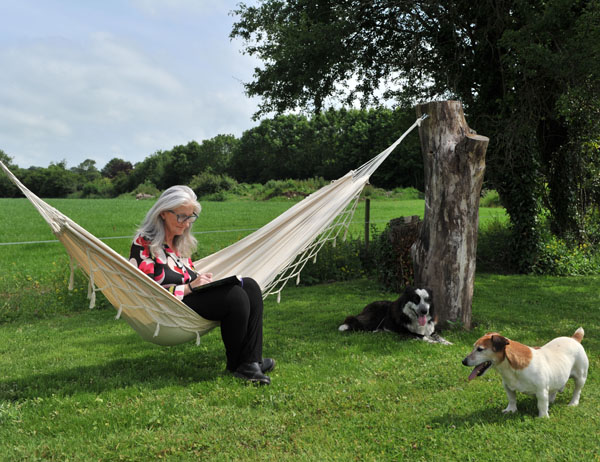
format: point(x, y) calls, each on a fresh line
point(167, 268)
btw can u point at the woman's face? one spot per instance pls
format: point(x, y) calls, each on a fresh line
point(172, 226)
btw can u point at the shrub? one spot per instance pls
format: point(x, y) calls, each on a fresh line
point(555, 257)
point(406, 194)
point(558, 258)
point(342, 262)
point(493, 247)
point(490, 198)
point(291, 189)
point(403, 194)
point(219, 196)
point(207, 183)
point(388, 258)
point(391, 253)
point(99, 188)
point(148, 188)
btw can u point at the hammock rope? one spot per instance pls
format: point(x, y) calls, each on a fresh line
point(272, 255)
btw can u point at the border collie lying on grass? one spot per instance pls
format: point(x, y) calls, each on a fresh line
point(411, 314)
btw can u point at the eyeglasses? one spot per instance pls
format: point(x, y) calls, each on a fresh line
point(183, 218)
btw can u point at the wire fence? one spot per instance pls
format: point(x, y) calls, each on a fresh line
point(216, 231)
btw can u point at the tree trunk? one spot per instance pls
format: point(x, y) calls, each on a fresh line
point(444, 254)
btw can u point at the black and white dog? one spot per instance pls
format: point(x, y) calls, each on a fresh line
point(411, 314)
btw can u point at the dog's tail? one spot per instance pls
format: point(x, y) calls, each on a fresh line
point(578, 335)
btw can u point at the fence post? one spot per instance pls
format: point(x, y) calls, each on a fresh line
point(367, 222)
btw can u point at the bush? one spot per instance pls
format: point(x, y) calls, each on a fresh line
point(291, 189)
point(219, 196)
point(403, 194)
point(98, 188)
point(148, 188)
point(555, 257)
point(208, 183)
point(493, 247)
point(388, 258)
point(391, 253)
point(490, 198)
point(558, 258)
point(406, 194)
point(344, 261)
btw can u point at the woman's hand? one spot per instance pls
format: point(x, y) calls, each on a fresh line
point(203, 278)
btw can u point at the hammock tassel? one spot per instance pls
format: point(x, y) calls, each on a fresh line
point(157, 330)
point(334, 242)
point(92, 291)
point(119, 313)
point(72, 275)
point(197, 338)
point(279, 296)
point(93, 299)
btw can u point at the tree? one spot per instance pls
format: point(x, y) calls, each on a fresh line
point(517, 66)
point(54, 181)
point(87, 170)
point(215, 154)
point(7, 188)
point(116, 165)
point(328, 145)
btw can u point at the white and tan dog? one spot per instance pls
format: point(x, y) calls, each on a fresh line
point(542, 372)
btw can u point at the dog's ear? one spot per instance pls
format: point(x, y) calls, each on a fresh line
point(499, 342)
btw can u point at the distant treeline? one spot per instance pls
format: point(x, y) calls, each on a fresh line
point(326, 145)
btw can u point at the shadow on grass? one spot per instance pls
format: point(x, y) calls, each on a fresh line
point(488, 416)
point(153, 370)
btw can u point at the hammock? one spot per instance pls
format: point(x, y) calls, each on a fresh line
point(272, 255)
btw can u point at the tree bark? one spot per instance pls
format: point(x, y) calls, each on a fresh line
point(444, 255)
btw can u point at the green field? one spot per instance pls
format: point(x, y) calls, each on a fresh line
point(76, 385)
point(35, 263)
point(220, 223)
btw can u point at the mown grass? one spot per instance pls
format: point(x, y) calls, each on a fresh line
point(85, 387)
point(77, 385)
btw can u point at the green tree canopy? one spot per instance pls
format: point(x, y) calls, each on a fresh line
point(116, 165)
point(328, 145)
point(522, 69)
point(87, 170)
point(7, 188)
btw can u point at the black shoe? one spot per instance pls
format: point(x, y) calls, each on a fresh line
point(252, 373)
point(267, 365)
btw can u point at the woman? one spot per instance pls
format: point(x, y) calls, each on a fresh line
point(162, 249)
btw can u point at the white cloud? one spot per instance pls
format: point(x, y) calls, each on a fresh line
point(102, 92)
point(175, 8)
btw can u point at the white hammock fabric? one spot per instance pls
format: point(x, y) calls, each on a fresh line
point(272, 255)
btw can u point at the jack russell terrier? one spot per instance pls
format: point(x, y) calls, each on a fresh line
point(542, 372)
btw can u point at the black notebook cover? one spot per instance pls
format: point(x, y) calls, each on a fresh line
point(230, 280)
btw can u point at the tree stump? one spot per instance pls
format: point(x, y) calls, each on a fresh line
point(444, 254)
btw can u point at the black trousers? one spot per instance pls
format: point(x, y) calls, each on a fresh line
point(240, 311)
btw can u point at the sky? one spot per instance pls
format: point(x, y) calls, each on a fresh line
point(98, 79)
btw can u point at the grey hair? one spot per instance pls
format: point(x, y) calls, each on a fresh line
point(153, 227)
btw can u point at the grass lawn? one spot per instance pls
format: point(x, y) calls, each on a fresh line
point(76, 385)
point(85, 387)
